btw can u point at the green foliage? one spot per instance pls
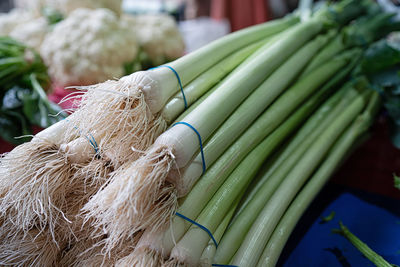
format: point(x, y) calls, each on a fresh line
point(381, 64)
point(396, 181)
point(23, 102)
point(52, 15)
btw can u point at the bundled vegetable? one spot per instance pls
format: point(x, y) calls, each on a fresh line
point(105, 184)
point(150, 178)
point(64, 165)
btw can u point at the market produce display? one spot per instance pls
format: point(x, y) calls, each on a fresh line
point(94, 50)
point(210, 159)
point(101, 43)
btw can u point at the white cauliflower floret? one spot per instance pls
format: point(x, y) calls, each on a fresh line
point(9, 21)
point(158, 35)
point(32, 33)
point(67, 6)
point(89, 46)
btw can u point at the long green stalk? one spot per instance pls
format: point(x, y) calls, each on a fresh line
point(374, 257)
point(158, 85)
point(333, 48)
point(215, 176)
point(325, 115)
point(250, 109)
point(252, 246)
point(336, 155)
point(207, 256)
point(197, 62)
point(190, 247)
point(201, 84)
point(212, 112)
point(297, 140)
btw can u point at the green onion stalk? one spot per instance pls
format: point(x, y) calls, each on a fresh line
point(262, 228)
point(324, 117)
point(130, 202)
point(335, 157)
point(264, 127)
point(374, 257)
point(45, 182)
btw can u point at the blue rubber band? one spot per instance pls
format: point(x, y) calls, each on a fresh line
point(179, 81)
point(91, 140)
point(201, 143)
point(224, 265)
point(200, 226)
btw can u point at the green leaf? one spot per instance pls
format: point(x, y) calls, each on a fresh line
point(30, 106)
point(380, 56)
point(381, 64)
point(396, 181)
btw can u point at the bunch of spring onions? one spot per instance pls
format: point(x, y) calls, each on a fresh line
point(118, 182)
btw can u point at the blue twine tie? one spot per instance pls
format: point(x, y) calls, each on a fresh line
point(179, 81)
point(201, 143)
point(91, 139)
point(200, 226)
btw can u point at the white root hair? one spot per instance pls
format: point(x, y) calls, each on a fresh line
point(136, 198)
point(141, 257)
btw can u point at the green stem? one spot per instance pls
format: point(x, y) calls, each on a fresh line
point(374, 257)
point(325, 115)
point(201, 84)
point(298, 139)
point(191, 65)
point(251, 108)
point(195, 240)
point(207, 256)
point(252, 246)
point(213, 111)
point(333, 48)
point(336, 156)
point(216, 175)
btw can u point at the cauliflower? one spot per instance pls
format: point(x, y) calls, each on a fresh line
point(89, 46)
point(67, 6)
point(158, 35)
point(31, 34)
point(9, 21)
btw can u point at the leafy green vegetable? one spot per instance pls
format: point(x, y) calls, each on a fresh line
point(381, 63)
point(23, 101)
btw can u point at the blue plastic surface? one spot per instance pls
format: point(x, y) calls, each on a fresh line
point(377, 226)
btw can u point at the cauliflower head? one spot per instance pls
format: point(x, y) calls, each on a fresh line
point(89, 46)
point(158, 35)
point(31, 34)
point(67, 6)
point(9, 21)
